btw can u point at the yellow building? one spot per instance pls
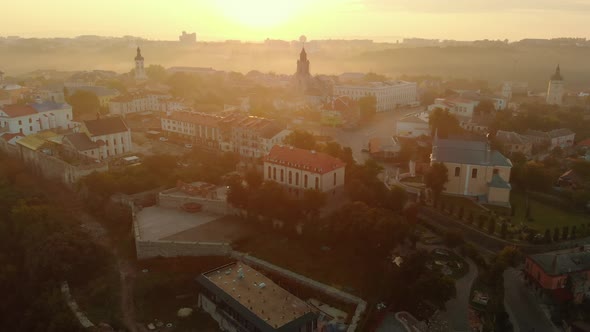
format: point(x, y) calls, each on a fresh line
point(475, 170)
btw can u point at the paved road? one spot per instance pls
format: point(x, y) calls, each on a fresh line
point(457, 309)
point(523, 306)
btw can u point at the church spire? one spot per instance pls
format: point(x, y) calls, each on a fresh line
point(138, 56)
point(557, 75)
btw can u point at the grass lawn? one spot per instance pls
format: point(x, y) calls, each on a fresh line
point(340, 267)
point(544, 216)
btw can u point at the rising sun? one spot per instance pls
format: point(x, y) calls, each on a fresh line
point(261, 13)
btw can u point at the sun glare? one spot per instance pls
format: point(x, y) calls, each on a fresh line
point(261, 13)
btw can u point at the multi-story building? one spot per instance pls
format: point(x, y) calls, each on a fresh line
point(555, 90)
point(474, 170)
point(138, 102)
point(515, 142)
point(32, 118)
point(562, 137)
point(201, 128)
point(389, 95)
point(111, 134)
point(300, 169)
point(242, 299)
point(460, 107)
point(140, 74)
point(254, 137)
point(551, 271)
point(412, 126)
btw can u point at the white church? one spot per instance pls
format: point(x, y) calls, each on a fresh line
point(555, 90)
point(140, 74)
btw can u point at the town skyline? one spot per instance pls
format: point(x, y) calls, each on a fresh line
point(229, 19)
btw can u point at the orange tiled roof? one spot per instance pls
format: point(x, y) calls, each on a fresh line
point(316, 162)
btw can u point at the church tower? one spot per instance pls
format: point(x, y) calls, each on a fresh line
point(139, 69)
point(555, 90)
point(303, 64)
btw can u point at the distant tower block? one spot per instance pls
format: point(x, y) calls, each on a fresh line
point(555, 90)
point(139, 69)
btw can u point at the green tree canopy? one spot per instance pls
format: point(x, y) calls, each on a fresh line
point(436, 177)
point(368, 107)
point(84, 103)
point(156, 73)
point(444, 123)
point(301, 139)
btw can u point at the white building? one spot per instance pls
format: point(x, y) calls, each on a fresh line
point(412, 126)
point(389, 95)
point(555, 91)
point(140, 74)
point(32, 118)
point(140, 102)
point(200, 128)
point(300, 169)
point(460, 107)
point(111, 134)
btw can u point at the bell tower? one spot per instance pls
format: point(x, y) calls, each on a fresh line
point(555, 90)
point(139, 69)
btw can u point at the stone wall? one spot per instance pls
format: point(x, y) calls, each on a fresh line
point(173, 199)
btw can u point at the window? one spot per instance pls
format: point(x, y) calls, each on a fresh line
point(290, 177)
point(30, 120)
point(296, 179)
point(474, 173)
point(496, 171)
point(282, 176)
point(30, 128)
point(274, 173)
point(334, 178)
point(305, 181)
point(457, 171)
point(269, 172)
point(317, 183)
point(20, 122)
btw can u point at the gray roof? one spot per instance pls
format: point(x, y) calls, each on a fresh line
point(412, 119)
point(99, 91)
point(498, 182)
point(557, 263)
point(467, 152)
point(49, 106)
point(106, 126)
point(560, 132)
point(80, 141)
point(510, 137)
point(537, 133)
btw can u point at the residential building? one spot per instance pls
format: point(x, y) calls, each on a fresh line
point(111, 134)
point(460, 107)
point(139, 102)
point(188, 38)
point(474, 170)
point(514, 142)
point(140, 74)
point(384, 148)
point(242, 299)
point(555, 90)
point(203, 129)
point(33, 118)
point(254, 137)
point(80, 143)
point(14, 92)
point(340, 111)
point(389, 95)
point(300, 169)
point(551, 271)
point(562, 137)
point(412, 126)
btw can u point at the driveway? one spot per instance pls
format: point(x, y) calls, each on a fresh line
point(523, 306)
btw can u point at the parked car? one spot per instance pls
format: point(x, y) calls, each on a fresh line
point(163, 139)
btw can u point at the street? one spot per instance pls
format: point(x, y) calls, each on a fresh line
point(523, 306)
point(457, 309)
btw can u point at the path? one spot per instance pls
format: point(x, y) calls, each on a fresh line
point(523, 306)
point(457, 309)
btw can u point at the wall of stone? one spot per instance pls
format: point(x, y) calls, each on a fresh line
point(172, 199)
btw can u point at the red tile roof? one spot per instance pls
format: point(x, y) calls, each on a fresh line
point(585, 143)
point(16, 110)
point(315, 162)
point(196, 118)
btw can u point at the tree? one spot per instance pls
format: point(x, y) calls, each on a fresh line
point(373, 77)
point(313, 200)
point(301, 139)
point(368, 107)
point(435, 178)
point(492, 225)
point(156, 73)
point(453, 238)
point(84, 103)
point(484, 108)
point(504, 230)
point(444, 123)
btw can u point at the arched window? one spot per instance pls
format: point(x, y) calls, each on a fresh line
point(457, 171)
point(317, 183)
point(274, 173)
point(282, 176)
point(296, 179)
point(269, 174)
point(290, 177)
point(474, 173)
point(305, 181)
point(334, 178)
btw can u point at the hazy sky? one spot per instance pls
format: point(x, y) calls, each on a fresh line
point(287, 19)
